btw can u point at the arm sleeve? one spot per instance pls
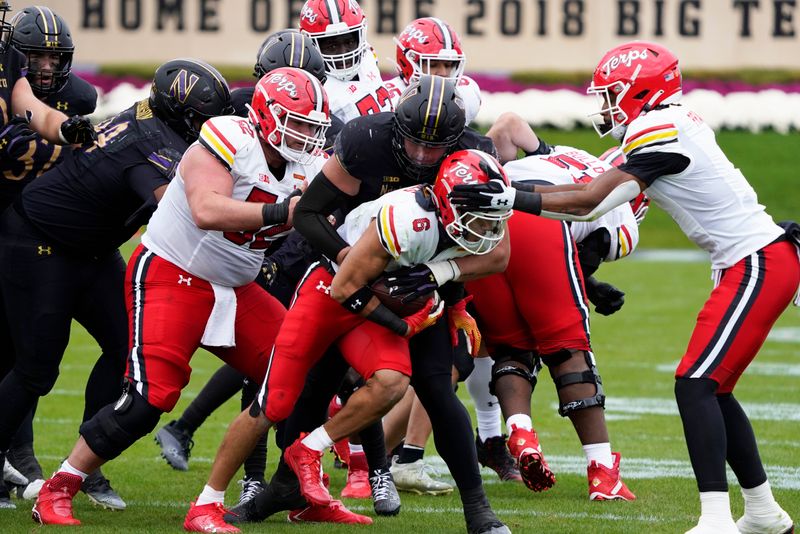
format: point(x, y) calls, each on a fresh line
point(647, 166)
point(311, 216)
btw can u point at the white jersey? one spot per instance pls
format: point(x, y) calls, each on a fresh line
point(710, 200)
point(226, 258)
point(408, 231)
point(567, 165)
point(467, 89)
point(363, 96)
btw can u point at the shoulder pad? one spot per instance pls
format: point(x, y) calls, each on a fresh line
point(227, 136)
point(649, 131)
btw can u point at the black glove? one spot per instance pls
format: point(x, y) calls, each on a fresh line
point(166, 160)
point(15, 136)
point(269, 270)
point(411, 282)
point(77, 130)
point(606, 298)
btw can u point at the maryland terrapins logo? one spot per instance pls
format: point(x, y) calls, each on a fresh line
point(183, 84)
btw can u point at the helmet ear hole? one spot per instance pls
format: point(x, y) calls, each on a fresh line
point(641, 95)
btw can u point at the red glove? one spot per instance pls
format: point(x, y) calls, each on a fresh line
point(427, 316)
point(460, 319)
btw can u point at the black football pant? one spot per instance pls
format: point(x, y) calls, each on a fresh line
point(43, 289)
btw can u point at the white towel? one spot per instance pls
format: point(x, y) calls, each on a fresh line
point(221, 326)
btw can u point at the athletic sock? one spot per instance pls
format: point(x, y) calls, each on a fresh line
point(519, 420)
point(67, 468)
point(318, 440)
point(410, 454)
point(210, 495)
point(600, 453)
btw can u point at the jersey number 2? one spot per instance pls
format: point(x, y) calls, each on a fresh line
point(373, 103)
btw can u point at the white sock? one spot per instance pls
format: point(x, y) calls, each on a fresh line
point(489, 423)
point(67, 468)
point(210, 495)
point(600, 453)
point(478, 385)
point(355, 449)
point(759, 501)
point(715, 507)
point(519, 420)
point(318, 440)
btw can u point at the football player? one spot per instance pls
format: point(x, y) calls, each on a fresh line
point(64, 263)
point(671, 152)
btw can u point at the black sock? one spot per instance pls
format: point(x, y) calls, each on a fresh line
point(743, 454)
point(410, 454)
point(222, 385)
point(373, 442)
point(704, 429)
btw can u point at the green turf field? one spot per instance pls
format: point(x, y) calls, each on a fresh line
point(637, 350)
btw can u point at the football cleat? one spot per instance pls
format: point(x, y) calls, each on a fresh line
point(207, 518)
point(250, 488)
point(714, 527)
point(334, 512)
point(24, 460)
point(31, 491)
point(385, 499)
point(306, 464)
point(277, 496)
point(605, 483)
point(54, 503)
point(176, 445)
point(98, 488)
point(493, 454)
point(5, 498)
point(357, 486)
point(13, 477)
point(779, 523)
point(535, 473)
point(413, 477)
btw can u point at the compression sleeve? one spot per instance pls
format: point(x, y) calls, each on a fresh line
point(311, 216)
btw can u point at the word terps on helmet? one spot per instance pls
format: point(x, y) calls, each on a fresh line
point(186, 93)
point(431, 114)
point(289, 48)
point(326, 21)
point(290, 112)
point(425, 40)
point(39, 29)
point(631, 79)
point(6, 29)
point(476, 232)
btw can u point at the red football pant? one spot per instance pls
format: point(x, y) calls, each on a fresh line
point(740, 312)
point(538, 303)
point(313, 323)
point(168, 309)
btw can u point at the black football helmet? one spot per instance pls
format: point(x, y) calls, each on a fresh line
point(431, 114)
point(40, 30)
point(289, 48)
point(6, 29)
point(187, 92)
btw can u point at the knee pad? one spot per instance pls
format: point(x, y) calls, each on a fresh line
point(589, 376)
point(117, 426)
point(510, 361)
point(350, 383)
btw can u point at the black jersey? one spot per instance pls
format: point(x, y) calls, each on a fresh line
point(76, 97)
point(13, 67)
point(364, 149)
point(96, 198)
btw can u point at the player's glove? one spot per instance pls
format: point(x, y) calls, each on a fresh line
point(269, 271)
point(15, 136)
point(427, 316)
point(410, 283)
point(77, 130)
point(606, 298)
point(493, 195)
point(460, 319)
point(640, 205)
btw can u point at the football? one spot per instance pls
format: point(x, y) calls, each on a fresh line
point(381, 290)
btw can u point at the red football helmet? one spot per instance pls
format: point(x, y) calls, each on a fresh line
point(476, 232)
point(425, 40)
point(339, 28)
point(631, 79)
point(290, 112)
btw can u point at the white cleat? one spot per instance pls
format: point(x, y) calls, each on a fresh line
point(12, 476)
point(779, 523)
point(413, 477)
point(714, 527)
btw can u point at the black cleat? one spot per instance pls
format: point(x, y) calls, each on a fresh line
point(479, 515)
point(176, 446)
point(385, 499)
point(277, 496)
point(494, 454)
point(98, 488)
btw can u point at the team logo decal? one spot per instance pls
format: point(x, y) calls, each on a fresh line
point(182, 85)
point(284, 84)
point(308, 14)
point(624, 59)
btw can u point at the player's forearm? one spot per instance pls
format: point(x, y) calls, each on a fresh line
point(477, 266)
point(212, 211)
point(587, 204)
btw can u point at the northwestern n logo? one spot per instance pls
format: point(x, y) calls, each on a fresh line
point(183, 85)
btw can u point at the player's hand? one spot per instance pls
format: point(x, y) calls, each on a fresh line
point(640, 205)
point(269, 271)
point(460, 319)
point(15, 136)
point(606, 298)
point(427, 316)
point(77, 130)
point(292, 200)
point(494, 195)
point(410, 283)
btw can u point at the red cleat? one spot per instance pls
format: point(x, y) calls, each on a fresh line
point(341, 449)
point(357, 486)
point(605, 484)
point(207, 518)
point(335, 512)
point(524, 447)
point(54, 503)
point(306, 465)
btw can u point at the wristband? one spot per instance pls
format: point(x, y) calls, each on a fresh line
point(274, 213)
point(385, 317)
point(444, 271)
point(358, 300)
point(528, 202)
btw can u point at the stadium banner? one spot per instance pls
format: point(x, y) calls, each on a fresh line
point(497, 35)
